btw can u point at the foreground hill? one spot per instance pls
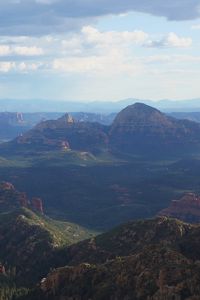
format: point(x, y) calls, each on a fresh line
point(154, 259)
point(28, 238)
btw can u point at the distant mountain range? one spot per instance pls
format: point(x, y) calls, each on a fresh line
point(192, 116)
point(68, 161)
point(137, 129)
point(13, 124)
point(107, 107)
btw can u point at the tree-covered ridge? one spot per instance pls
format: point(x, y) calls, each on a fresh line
point(156, 259)
point(27, 245)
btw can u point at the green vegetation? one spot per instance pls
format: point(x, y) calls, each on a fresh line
point(28, 242)
point(103, 195)
point(9, 289)
point(102, 182)
point(57, 159)
point(139, 260)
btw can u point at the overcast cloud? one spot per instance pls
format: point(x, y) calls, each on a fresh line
point(38, 17)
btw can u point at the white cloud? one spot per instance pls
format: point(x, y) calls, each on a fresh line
point(19, 67)
point(93, 52)
point(100, 52)
point(91, 39)
point(90, 51)
point(27, 51)
point(172, 40)
point(6, 50)
point(6, 66)
point(93, 35)
point(111, 63)
point(72, 46)
point(25, 67)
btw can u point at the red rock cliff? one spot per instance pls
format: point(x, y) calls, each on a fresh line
point(187, 208)
point(37, 205)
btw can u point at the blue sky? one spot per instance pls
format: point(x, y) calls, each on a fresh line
point(99, 49)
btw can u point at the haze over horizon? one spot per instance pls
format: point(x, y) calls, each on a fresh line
point(91, 101)
point(99, 50)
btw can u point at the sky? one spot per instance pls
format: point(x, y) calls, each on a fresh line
point(88, 50)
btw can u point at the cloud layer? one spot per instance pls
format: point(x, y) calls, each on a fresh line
point(65, 48)
point(171, 40)
point(7, 50)
point(90, 51)
point(38, 17)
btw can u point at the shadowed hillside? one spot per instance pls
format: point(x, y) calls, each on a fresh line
point(153, 259)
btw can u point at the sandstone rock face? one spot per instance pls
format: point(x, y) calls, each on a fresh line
point(11, 118)
point(61, 122)
point(23, 200)
point(10, 199)
point(65, 145)
point(37, 205)
point(67, 118)
point(6, 186)
point(187, 208)
point(2, 269)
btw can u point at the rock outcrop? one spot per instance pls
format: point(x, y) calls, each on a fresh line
point(61, 122)
point(186, 209)
point(62, 134)
point(37, 205)
point(2, 269)
point(6, 186)
point(10, 198)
